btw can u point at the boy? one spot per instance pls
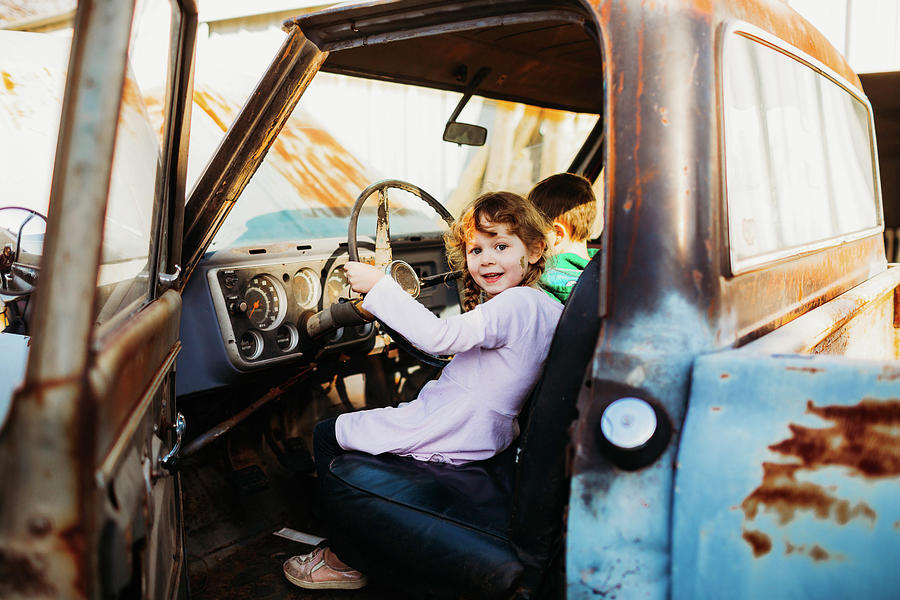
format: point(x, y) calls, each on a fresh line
point(568, 202)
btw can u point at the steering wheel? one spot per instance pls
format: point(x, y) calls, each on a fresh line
point(400, 271)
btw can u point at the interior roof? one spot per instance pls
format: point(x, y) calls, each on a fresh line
point(554, 64)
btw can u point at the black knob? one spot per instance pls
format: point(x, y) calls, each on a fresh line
point(239, 307)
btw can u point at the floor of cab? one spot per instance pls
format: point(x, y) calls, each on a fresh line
point(230, 521)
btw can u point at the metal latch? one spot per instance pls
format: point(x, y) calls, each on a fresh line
point(169, 279)
point(168, 461)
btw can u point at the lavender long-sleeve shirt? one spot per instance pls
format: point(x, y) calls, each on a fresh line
point(469, 413)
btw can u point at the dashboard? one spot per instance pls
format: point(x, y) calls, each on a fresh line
point(244, 308)
point(260, 307)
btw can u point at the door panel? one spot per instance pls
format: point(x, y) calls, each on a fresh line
point(139, 516)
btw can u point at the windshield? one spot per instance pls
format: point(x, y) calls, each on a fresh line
point(347, 133)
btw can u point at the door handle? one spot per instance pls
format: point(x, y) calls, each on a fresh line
point(168, 461)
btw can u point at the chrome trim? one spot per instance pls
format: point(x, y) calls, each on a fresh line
point(316, 291)
point(167, 462)
point(293, 334)
point(260, 344)
point(169, 279)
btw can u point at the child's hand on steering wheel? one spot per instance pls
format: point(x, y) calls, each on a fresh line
point(362, 277)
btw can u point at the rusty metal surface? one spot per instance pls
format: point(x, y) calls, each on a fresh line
point(817, 330)
point(670, 298)
point(246, 144)
point(784, 291)
point(127, 362)
point(787, 479)
point(45, 509)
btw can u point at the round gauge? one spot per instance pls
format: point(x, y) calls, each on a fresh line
point(251, 345)
point(336, 286)
point(287, 337)
point(306, 288)
point(265, 302)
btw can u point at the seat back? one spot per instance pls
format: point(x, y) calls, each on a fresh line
point(541, 482)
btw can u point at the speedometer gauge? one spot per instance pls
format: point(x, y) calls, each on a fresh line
point(336, 285)
point(306, 288)
point(265, 302)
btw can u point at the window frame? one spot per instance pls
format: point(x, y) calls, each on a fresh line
point(737, 266)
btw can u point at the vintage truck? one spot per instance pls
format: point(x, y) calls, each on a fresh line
point(719, 415)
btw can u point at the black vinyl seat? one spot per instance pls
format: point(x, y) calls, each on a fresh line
point(488, 529)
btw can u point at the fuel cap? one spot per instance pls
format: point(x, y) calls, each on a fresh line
point(633, 432)
point(628, 423)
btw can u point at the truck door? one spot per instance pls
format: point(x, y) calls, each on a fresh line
point(90, 499)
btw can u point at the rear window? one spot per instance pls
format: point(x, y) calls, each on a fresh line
point(799, 155)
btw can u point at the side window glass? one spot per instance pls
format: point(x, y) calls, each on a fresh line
point(31, 240)
point(124, 280)
point(799, 156)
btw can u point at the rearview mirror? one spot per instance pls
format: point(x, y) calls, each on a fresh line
point(464, 133)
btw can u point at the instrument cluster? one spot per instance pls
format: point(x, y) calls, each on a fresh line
point(261, 308)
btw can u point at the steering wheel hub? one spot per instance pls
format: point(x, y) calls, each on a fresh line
point(405, 276)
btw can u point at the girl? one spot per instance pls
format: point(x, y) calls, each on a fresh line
point(500, 345)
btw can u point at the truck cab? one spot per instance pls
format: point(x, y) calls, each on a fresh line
point(717, 414)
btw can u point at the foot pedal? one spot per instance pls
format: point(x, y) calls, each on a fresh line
point(249, 479)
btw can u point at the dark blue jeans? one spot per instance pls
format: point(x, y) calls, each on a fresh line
point(325, 446)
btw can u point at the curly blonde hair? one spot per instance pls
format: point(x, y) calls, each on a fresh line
point(507, 208)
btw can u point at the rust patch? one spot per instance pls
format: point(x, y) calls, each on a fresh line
point(759, 541)
point(783, 494)
point(724, 376)
point(812, 370)
point(24, 574)
point(8, 83)
point(716, 408)
point(73, 537)
point(818, 553)
point(889, 373)
point(864, 438)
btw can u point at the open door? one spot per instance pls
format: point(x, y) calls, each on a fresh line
point(90, 504)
